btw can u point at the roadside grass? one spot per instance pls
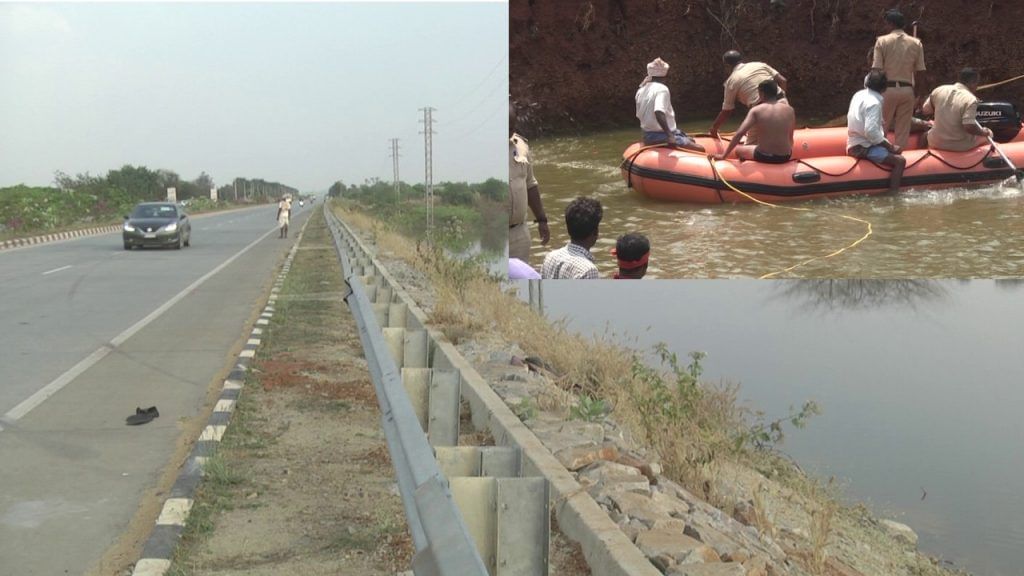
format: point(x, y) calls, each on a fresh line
point(692, 425)
point(700, 423)
point(384, 527)
point(224, 481)
point(225, 476)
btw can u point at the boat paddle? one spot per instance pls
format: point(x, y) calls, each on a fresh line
point(1017, 173)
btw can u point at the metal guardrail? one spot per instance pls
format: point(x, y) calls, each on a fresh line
point(442, 541)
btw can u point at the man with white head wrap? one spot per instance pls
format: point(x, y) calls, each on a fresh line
point(654, 110)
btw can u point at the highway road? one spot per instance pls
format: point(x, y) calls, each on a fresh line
point(90, 332)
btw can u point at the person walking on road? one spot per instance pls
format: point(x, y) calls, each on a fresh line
point(284, 212)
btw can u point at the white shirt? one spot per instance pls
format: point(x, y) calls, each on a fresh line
point(864, 120)
point(650, 98)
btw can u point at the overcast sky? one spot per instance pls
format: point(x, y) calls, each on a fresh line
point(303, 94)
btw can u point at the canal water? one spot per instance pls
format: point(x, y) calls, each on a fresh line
point(943, 233)
point(921, 384)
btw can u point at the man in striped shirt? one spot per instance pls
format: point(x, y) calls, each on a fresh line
point(574, 261)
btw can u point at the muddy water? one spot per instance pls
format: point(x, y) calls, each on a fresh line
point(947, 233)
point(921, 385)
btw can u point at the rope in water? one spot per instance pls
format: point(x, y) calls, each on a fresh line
point(798, 209)
point(711, 161)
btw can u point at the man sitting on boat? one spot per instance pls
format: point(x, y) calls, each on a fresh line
point(632, 252)
point(742, 84)
point(866, 131)
point(574, 261)
point(955, 108)
point(654, 110)
point(774, 120)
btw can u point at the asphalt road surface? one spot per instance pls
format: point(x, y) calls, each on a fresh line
point(90, 332)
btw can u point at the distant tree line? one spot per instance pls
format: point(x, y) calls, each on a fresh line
point(378, 193)
point(84, 199)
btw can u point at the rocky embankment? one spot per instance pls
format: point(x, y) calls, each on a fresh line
point(574, 65)
point(747, 522)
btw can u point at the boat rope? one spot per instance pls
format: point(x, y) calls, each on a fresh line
point(714, 167)
point(1000, 83)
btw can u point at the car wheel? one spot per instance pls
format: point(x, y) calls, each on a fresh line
point(127, 245)
point(177, 246)
point(188, 240)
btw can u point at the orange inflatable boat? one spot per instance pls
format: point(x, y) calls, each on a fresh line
point(820, 168)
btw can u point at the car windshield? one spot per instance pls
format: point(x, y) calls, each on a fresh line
point(154, 211)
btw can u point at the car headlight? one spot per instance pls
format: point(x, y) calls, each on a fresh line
point(128, 227)
point(171, 227)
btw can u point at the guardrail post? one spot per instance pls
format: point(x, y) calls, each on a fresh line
point(443, 407)
point(417, 385)
point(416, 349)
point(397, 315)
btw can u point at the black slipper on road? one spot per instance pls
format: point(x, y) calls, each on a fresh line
point(142, 416)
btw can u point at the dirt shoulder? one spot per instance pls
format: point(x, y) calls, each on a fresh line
point(303, 483)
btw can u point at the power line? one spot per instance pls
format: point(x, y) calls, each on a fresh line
point(487, 77)
point(463, 116)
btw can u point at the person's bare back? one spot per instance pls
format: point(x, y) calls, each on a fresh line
point(775, 121)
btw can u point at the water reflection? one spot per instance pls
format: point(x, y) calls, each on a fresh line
point(920, 383)
point(861, 294)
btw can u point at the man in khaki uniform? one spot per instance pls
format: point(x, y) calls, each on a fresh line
point(955, 107)
point(741, 85)
point(524, 192)
point(901, 57)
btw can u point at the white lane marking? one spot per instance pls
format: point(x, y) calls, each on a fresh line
point(64, 379)
point(224, 405)
point(57, 269)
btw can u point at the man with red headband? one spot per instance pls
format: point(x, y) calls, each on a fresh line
point(632, 251)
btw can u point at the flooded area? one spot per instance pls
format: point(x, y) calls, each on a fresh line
point(919, 381)
point(920, 233)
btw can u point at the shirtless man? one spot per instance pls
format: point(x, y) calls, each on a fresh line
point(774, 120)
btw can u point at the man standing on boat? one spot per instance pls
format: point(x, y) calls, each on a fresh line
point(524, 192)
point(654, 110)
point(741, 85)
point(955, 107)
point(775, 120)
point(574, 261)
point(866, 131)
point(901, 57)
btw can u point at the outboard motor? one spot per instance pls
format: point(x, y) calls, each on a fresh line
point(1000, 117)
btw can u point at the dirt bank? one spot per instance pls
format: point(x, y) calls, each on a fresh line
point(576, 64)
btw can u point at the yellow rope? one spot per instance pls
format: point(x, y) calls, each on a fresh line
point(798, 209)
point(1000, 83)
